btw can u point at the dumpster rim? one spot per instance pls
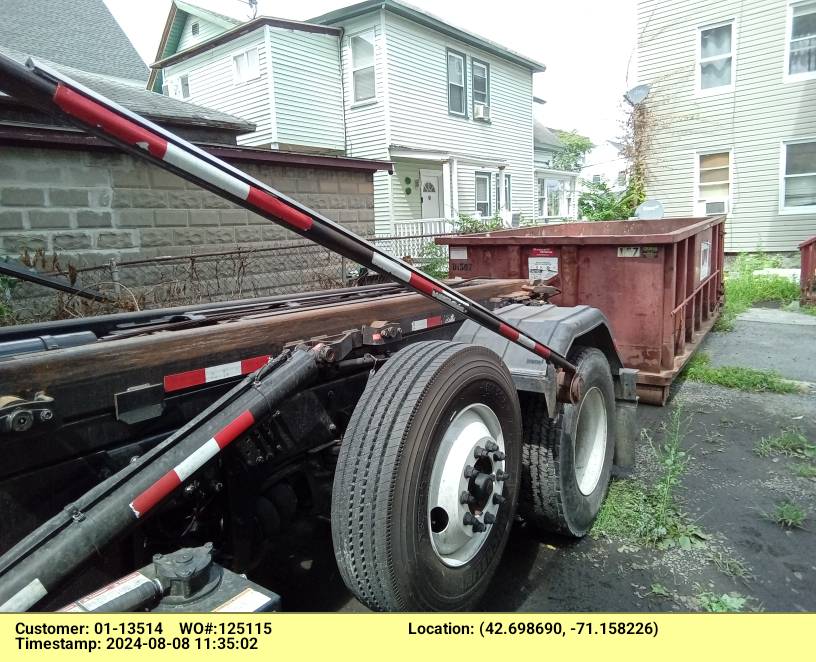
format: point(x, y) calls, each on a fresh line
point(505, 238)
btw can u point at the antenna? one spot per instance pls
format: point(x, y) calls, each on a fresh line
point(637, 95)
point(253, 5)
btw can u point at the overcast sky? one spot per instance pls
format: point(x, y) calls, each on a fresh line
point(587, 45)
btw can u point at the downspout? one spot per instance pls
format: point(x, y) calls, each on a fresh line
point(343, 89)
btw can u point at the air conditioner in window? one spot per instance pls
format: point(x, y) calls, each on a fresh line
point(716, 207)
point(481, 111)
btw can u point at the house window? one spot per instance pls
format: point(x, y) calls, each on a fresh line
point(480, 84)
point(596, 179)
point(362, 66)
point(178, 87)
point(483, 206)
point(713, 183)
point(622, 178)
point(245, 66)
point(715, 57)
point(194, 29)
point(542, 198)
point(802, 39)
point(457, 93)
point(799, 179)
point(555, 188)
point(508, 190)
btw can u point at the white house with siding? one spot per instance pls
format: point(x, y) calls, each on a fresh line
point(556, 190)
point(377, 80)
point(282, 76)
point(452, 110)
point(733, 114)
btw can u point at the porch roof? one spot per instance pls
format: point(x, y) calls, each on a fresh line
point(440, 156)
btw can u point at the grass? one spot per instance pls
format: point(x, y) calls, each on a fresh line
point(808, 310)
point(805, 470)
point(790, 442)
point(788, 515)
point(722, 603)
point(649, 514)
point(699, 369)
point(743, 289)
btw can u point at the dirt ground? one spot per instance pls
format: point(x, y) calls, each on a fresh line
point(727, 491)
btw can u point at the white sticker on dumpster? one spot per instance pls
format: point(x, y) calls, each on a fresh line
point(705, 259)
point(628, 251)
point(458, 253)
point(542, 268)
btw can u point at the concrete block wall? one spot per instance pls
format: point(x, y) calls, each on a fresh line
point(86, 206)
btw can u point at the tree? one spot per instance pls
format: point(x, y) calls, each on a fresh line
point(571, 156)
point(600, 203)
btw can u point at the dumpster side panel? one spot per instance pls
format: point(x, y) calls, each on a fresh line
point(627, 286)
point(807, 278)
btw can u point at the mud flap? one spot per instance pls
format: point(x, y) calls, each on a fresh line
point(626, 422)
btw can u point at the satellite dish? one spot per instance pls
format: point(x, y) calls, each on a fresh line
point(638, 94)
point(649, 210)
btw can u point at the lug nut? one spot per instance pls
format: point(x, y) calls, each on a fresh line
point(479, 452)
point(470, 520)
point(498, 456)
point(498, 499)
point(489, 518)
point(492, 446)
point(470, 471)
point(466, 497)
point(502, 475)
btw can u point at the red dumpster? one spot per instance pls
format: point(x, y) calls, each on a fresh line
point(660, 283)
point(807, 277)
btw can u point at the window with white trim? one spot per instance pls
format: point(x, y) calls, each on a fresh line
point(715, 57)
point(713, 183)
point(483, 206)
point(799, 176)
point(802, 39)
point(508, 190)
point(541, 198)
point(555, 193)
point(362, 66)
point(245, 66)
point(457, 93)
point(178, 87)
point(480, 83)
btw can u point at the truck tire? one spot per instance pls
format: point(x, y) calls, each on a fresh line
point(409, 485)
point(567, 461)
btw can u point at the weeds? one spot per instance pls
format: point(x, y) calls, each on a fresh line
point(790, 442)
point(743, 289)
point(699, 369)
point(730, 566)
point(433, 260)
point(649, 515)
point(788, 515)
point(722, 603)
point(805, 470)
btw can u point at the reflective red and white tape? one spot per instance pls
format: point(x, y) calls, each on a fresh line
point(181, 380)
point(192, 463)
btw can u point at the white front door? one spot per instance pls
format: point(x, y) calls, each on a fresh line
point(431, 191)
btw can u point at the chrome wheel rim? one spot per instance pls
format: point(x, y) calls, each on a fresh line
point(590, 441)
point(469, 431)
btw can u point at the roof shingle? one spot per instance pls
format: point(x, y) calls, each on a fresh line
point(81, 33)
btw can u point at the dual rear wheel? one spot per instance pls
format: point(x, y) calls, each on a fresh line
point(433, 462)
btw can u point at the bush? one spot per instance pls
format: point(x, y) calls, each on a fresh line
point(600, 203)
